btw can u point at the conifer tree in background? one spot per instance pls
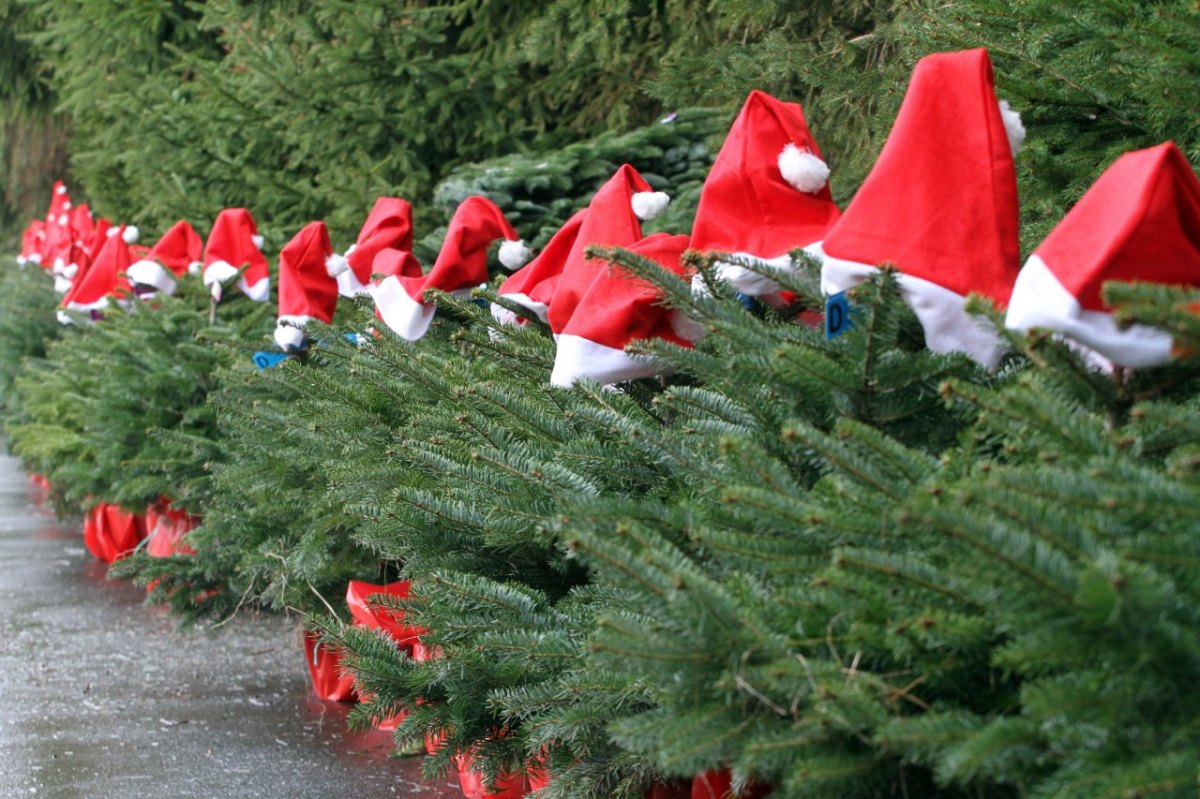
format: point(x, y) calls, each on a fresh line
point(32, 135)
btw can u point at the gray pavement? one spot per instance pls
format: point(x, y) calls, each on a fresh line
point(101, 698)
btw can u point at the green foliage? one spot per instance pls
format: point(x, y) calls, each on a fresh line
point(842, 567)
point(115, 411)
point(27, 327)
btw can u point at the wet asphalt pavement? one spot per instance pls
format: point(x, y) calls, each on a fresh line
point(100, 698)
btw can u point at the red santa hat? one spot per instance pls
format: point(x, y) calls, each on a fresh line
point(82, 225)
point(614, 219)
point(306, 291)
point(940, 204)
point(33, 241)
point(60, 206)
point(616, 310)
point(1139, 221)
point(103, 279)
point(177, 253)
point(767, 193)
point(233, 243)
point(396, 263)
point(532, 286)
point(461, 266)
point(388, 226)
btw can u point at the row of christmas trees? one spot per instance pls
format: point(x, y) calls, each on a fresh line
point(852, 564)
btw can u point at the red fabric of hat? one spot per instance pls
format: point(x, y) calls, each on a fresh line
point(940, 204)
point(104, 279)
point(461, 266)
point(176, 254)
point(616, 310)
point(767, 192)
point(33, 241)
point(306, 291)
point(233, 243)
point(388, 226)
point(532, 286)
point(396, 263)
point(614, 219)
point(60, 205)
point(1139, 221)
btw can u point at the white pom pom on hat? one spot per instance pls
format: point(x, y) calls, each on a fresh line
point(649, 204)
point(336, 264)
point(61, 190)
point(802, 169)
point(513, 253)
point(258, 240)
point(130, 234)
point(1013, 127)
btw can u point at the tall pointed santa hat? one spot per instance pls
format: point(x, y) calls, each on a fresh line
point(614, 219)
point(33, 240)
point(388, 226)
point(104, 279)
point(176, 254)
point(1139, 221)
point(233, 243)
point(532, 286)
point(83, 224)
point(767, 193)
point(58, 212)
point(461, 266)
point(940, 204)
point(306, 291)
point(396, 263)
point(616, 310)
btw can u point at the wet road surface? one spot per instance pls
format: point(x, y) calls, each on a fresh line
point(101, 699)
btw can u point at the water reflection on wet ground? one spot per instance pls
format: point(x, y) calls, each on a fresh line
point(101, 697)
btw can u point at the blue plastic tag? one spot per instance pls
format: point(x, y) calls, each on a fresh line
point(357, 339)
point(837, 315)
point(265, 359)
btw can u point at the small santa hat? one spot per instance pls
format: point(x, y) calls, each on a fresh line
point(306, 291)
point(83, 226)
point(532, 286)
point(1139, 221)
point(618, 309)
point(63, 256)
point(103, 279)
point(940, 204)
point(767, 193)
point(233, 243)
point(388, 226)
point(614, 219)
point(176, 254)
point(461, 266)
point(396, 263)
point(60, 206)
point(33, 240)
